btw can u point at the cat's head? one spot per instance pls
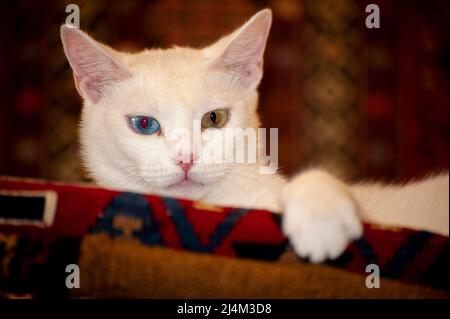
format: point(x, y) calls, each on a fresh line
point(135, 102)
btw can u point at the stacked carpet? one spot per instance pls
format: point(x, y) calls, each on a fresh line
point(130, 245)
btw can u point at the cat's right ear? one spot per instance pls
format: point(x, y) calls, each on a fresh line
point(94, 68)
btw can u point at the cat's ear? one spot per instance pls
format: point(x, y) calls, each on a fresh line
point(94, 68)
point(242, 52)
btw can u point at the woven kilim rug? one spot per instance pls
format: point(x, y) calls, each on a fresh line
point(46, 226)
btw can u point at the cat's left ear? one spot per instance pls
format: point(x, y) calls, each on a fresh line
point(242, 52)
point(94, 68)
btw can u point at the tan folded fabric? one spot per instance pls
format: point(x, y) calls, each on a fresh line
point(125, 268)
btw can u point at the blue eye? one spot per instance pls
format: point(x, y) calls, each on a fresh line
point(145, 125)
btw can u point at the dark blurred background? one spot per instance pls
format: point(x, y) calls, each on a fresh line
point(364, 103)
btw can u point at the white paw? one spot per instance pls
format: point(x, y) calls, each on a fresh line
point(320, 217)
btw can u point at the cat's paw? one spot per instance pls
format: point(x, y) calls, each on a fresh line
point(320, 216)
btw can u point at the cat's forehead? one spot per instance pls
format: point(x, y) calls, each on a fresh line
point(177, 60)
point(175, 74)
point(177, 77)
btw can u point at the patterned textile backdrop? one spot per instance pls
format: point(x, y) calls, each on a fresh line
point(361, 102)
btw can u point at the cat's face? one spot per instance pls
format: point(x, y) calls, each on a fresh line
point(141, 111)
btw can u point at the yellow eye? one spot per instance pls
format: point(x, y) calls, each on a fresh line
point(216, 119)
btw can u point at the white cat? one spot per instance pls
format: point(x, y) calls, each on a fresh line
point(132, 102)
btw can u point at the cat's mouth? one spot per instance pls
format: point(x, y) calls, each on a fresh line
point(185, 182)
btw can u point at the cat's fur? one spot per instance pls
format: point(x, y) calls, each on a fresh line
point(178, 85)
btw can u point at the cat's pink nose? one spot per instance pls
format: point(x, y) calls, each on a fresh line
point(186, 167)
point(185, 162)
